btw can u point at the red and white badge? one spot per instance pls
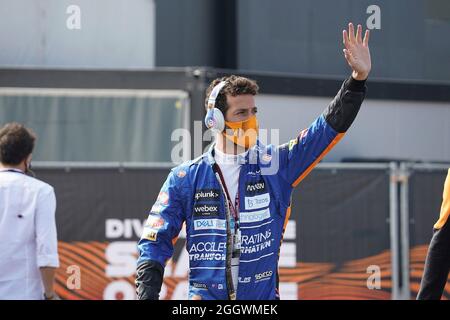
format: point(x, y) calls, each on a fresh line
point(163, 198)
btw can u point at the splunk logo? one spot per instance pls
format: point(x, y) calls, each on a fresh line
point(206, 194)
point(209, 224)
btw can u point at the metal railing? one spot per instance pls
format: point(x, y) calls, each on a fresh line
point(399, 211)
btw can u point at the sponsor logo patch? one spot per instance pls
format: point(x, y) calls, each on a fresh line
point(155, 222)
point(255, 188)
point(303, 134)
point(256, 242)
point(257, 202)
point(150, 234)
point(157, 208)
point(181, 174)
point(207, 251)
point(292, 143)
point(254, 173)
point(217, 285)
point(210, 224)
point(245, 279)
point(266, 275)
point(199, 285)
point(255, 216)
point(208, 246)
point(206, 210)
point(207, 195)
point(163, 198)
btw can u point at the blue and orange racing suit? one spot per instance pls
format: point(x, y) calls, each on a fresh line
point(193, 194)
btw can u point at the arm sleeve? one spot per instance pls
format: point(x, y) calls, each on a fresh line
point(160, 232)
point(45, 224)
point(437, 263)
point(301, 155)
point(149, 279)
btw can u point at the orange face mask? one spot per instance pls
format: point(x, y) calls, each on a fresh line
point(242, 133)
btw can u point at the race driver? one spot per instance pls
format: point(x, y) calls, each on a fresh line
point(234, 204)
point(437, 263)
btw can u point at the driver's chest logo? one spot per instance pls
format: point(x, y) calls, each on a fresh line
point(256, 195)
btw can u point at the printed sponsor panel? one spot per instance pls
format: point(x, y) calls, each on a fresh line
point(210, 224)
point(207, 250)
point(255, 187)
point(254, 216)
point(206, 210)
point(207, 195)
point(257, 202)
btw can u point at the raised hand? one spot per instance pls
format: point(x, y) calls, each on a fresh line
point(357, 51)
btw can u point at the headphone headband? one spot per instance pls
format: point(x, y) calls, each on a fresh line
point(214, 93)
point(214, 118)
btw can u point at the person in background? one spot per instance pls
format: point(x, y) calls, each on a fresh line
point(437, 264)
point(28, 239)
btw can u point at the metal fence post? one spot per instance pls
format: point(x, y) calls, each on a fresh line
point(404, 230)
point(394, 226)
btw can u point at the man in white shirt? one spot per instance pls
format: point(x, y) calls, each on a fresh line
point(28, 241)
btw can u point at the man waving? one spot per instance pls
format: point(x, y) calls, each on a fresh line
point(234, 204)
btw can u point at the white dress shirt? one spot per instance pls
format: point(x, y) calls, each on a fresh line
point(28, 238)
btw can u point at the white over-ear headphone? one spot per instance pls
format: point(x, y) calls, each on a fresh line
point(214, 118)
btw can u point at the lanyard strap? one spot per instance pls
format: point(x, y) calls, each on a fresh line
point(233, 208)
point(12, 170)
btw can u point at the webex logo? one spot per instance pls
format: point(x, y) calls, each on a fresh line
point(206, 210)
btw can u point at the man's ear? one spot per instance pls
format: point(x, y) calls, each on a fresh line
point(28, 170)
point(28, 160)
